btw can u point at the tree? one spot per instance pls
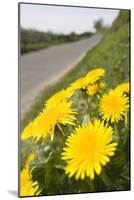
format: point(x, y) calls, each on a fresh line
point(98, 25)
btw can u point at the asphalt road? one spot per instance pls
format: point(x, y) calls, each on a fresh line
point(44, 67)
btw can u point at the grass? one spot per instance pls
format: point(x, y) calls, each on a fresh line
point(32, 47)
point(112, 54)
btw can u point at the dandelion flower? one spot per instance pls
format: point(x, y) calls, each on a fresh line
point(27, 186)
point(44, 124)
point(113, 106)
point(102, 85)
point(62, 95)
point(80, 83)
point(27, 131)
point(124, 87)
point(94, 88)
point(95, 75)
point(30, 157)
point(90, 78)
point(87, 149)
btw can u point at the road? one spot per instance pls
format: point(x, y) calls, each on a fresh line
point(44, 67)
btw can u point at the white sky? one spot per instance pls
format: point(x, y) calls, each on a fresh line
point(61, 19)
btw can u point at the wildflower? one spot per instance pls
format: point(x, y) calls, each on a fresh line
point(44, 124)
point(95, 75)
point(28, 130)
point(113, 106)
point(102, 85)
point(90, 78)
point(60, 96)
point(124, 87)
point(30, 157)
point(27, 186)
point(87, 149)
point(80, 83)
point(94, 88)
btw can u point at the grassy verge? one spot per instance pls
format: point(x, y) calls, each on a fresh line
point(32, 47)
point(25, 48)
point(112, 54)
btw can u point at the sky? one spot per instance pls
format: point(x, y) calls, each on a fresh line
point(60, 19)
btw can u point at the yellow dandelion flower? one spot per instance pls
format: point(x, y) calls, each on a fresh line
point(27, 131)
point(27, 186)
point(30, 157)
point(90, 78)
point(44, 124)
point(124, 87)
point(94, 88)
point(80, 83)
point(113, 106)
point(95, 75)
point(87, 149)
point(102, 85)
point(58, 97)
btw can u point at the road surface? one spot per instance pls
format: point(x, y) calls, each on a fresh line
point(44, 67)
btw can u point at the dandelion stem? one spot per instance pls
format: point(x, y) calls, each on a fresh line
point(85, 97)
point(126, 118)
point(87, 104)
point(116, 134)
point(126, 131)
point(125, 139)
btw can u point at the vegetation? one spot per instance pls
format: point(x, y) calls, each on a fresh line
point(32, 40)
point(113, 55)
point(99, 26)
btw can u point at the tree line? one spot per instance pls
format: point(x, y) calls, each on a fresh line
point(34, 40)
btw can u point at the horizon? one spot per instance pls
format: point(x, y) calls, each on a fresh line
point(56, 19)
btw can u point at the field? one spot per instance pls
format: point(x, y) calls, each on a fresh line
point(112, 54)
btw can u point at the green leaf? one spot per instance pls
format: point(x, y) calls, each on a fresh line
point(59, 167)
